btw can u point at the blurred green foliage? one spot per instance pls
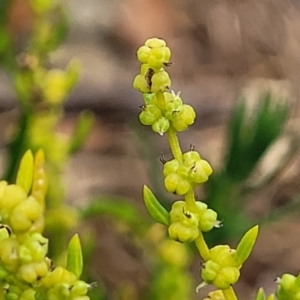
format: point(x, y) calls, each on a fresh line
point(250, 133)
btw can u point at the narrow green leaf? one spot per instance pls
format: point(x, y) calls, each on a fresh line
point(245, 246)
point(271, 297)
point(74, 258)
point(83, 127)
point(25, 172)
point(260, 295)
point(156, 210)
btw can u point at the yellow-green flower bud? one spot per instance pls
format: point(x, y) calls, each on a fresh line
point(221, 269)
point(200, 171)
point(191, 157)
point(63, 290)
point(182, 233)
point(41, 268)
point(27, 273)
point(142, 54)
point(25, 254)
point(223, 255)
point(160, 82)
point(175, 184)
point(155, 43)
point(9, 253)
point(59, 274)
point(207, 220)
point(25, 214)
point(28, 294)
point(79, 288)
point(210, 271)
point(150, 114)
point(141, 84)
point(288, 288)
point(171, 167)
point(11, 196)
point(38, 246)
point(173, 104)
point(184, 117)
point(13, 292)
point(158, 57)
point(226, 277)
point(161, 125)
point(184, 224)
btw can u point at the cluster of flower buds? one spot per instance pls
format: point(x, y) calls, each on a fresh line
point(222, 269)
point(153, 56)
point(63, 284)
point(26, 272)
point(172, 112)
point(20, 212)
point(154, 82)
point(288, 287)
point(180, 177)
point(185, 226)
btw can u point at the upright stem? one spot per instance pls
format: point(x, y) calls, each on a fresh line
point(229, 294)
point(171, 133)
point(190, 200)
point(174, 144)
point(202, 247)
point(161, 103)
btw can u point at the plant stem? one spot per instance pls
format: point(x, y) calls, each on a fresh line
point(174, 144)
point(229, 294)
point(190, 200)
point(160, 100)
point(171, 133)
point(202, 247)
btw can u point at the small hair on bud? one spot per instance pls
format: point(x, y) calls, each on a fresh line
point(92, 285)
point(162, 159)
point(168, 64)
point(218, 224)
point(200, 286)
